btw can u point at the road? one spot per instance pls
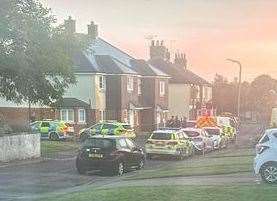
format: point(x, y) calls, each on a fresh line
point(30, 180)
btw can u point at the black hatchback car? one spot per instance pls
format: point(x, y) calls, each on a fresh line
point(111, 154)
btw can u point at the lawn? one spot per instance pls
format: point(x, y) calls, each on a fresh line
point(175, 193)
point(224, 162)
point(54, 147)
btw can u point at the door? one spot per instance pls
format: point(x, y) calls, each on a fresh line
point(132, 118)
point(135, 152)
point(124, 148)
point(44, 128)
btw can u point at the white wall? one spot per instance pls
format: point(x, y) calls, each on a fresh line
point(19, 147)
point(179, 100)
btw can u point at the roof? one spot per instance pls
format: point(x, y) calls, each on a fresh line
point(102, 57)
point(178, 74)
point(111, 65)
point(146, 69)
point(71, 102)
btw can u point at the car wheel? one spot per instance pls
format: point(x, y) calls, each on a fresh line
point(141, 164)
point(54, 136)
point(182, 154)
point(120, 168)
point(81, 167)
point(269, 173)
point(149, 156)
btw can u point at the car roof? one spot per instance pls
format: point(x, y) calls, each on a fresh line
point(270, 130)
point(165, 131)
point(107, 137)
point(192, 129)
point(210, 127)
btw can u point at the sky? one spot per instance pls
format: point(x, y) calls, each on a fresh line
point(207, 31)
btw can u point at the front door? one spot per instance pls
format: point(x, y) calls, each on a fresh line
point(132, 118)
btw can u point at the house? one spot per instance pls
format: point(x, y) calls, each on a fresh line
point(188, 92)
point(117, 86)
point(111, 85)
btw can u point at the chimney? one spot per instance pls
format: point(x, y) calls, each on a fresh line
point(70, 25)
point(92, 30)
point(159, 51)
point(180, 60)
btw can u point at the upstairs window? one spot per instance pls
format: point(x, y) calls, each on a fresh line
point(130, 83)
point(162, 88)
point(101, 82)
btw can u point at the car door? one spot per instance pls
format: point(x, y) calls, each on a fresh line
point(208, 141)
point(44, 128)
point(135, 152)
point(126, 151)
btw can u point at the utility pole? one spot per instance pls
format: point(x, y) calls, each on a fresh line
point(239, 87)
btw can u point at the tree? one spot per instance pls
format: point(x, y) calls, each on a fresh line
point(35, 55)
point(261, 97)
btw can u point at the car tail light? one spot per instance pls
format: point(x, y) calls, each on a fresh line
point(261, 148)
point(172, 143)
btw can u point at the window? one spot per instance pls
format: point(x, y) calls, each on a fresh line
point(264, 139)
point(130, 144)
point(161, 136)
point(162, 88)
point(82, 116)
point(45, 124)
point(101, 82)
point(130, 84)
point(139, 86)
point(122, 143)
point(67, 115)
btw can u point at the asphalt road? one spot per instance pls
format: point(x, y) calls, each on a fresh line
point(30, 180)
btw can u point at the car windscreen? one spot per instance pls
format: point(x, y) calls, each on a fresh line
point(192, 133)
point(106, 144)
point(161, 136)
point(211, 131)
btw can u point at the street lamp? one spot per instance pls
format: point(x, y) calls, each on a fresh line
point(239, 92)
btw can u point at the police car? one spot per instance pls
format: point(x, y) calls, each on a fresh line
point(169, 142)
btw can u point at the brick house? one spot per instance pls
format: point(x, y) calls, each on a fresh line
point(188, 92)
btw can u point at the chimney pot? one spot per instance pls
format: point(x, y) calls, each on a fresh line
point(93, 30)
point(70, 25)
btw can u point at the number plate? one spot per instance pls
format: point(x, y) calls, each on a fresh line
point(95, 155)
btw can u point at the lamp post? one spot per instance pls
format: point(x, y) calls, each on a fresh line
point(239, 87)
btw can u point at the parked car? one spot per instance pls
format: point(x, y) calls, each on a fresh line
point(112, 154)
point(228, 126)
point(169, 142)
point(108, 128)
point(53, 129)
point(265, 162)
point(218, 137)
point(200, 138)
point(191, 124)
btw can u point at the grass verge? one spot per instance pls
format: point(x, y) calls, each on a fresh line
point(55, 147)
point(175, 193)
point(217, 163)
